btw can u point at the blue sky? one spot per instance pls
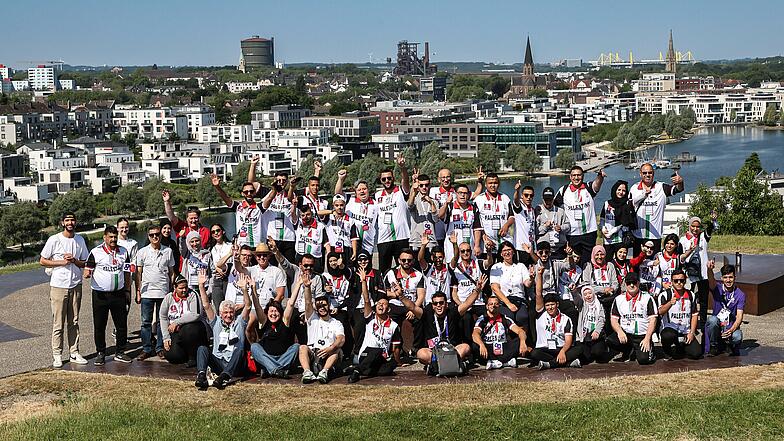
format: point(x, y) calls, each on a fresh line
point(198, 32)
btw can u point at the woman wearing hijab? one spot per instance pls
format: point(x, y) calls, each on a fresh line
point(618, 218)
point(601, 277)
point(356, 303)
point(167, 240)
point(194, 258)
point(590, 331)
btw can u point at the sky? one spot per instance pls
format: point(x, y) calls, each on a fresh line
point(196, 32)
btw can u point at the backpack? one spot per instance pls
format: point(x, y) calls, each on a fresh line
point(447, 359)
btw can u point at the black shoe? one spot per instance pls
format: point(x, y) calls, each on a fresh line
point(432, 369)
point(222, 381)
point(201, 380)
point(122, 357)
point(354, 377)
point(263, 373)
point(190, 363)
point(100, 359)
point(714, 351)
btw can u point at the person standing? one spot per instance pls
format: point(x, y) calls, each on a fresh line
point(394, 230)
point(696, 266)
point(130, 244)
point(63, 256)
point(552, 224)
point(577, 202)
point(192, 221)
point(524, 220)
point(422, 209)
point(444, 194)
point(617, 218)
point(219, 247)
point(458, 214)
point(278, 209)
point(108, 268)
point(154, 272)
point(341, 231)
point(494, 209)
point(247, 214)
point(362, 211)
point(649, 199)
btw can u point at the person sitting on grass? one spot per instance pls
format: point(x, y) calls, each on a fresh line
point(554, 336)
point(325, 337)
point(679, 315)
point(722, 329)
point(440, 322)
point(228, 336)
point(633, 318)
point(275, 350)
point(381, 340)
point(590, 330)
point(492, 342)
point(181, 322)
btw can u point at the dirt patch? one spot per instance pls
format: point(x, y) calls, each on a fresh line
point(15, 408)
point(259, 398)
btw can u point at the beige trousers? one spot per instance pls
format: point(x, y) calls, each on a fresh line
point(65, 313)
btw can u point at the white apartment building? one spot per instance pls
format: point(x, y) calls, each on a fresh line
point(654, 82)
point(25, 190)
point(130, 172)
point(198, 116)
point(270, 161)
point(714, 109)
point(46, 157)
point(5, 71)
point(238, 87)
point(7, 132)
point(66, 84)
point(225, 133)
point(158, 123)
point(301, 137)
point(173, 149)
point(356, 124)
point(20, 85)
point(42, 78)
point(279, 117)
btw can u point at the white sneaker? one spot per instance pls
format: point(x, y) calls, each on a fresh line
point(57, 361)
point(76, 358)
point(576, 363)
point(494, 364)
point(655, 337)
point(511, 363)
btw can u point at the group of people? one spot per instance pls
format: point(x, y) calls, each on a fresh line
point(329, 288)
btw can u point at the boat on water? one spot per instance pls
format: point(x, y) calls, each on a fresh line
point(683, 157)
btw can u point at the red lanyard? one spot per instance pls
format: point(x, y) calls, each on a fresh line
point(555, 322)
point(337, 281)
point(407, 278)
point(110, 252)
point(496, 200)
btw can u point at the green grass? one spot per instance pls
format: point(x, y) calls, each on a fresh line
point(19, 268)
point(739, 415)
point(747, 244)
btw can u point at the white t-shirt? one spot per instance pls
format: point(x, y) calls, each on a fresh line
point(551, 332)
point(56, 247)
point(363, 215)
point(393, 222)
point(440, 195)
point(525, 227)
point(510, 278)
point(219, 251)
point(493, 214)
point(666, 268)
point(130, 245)
point(436, 280)
point(267, 281)
point(340, 232)
point(579, 208)
point(650, 209)
point(276, 220)
point(633, 312)
point(383, 335)
point(323, 333)
point(465, 286)
point(248, 224)
point(155, 266)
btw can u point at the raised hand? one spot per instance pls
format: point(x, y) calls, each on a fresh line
point(449, 198)
point(273, 246)
point(480, 284)
point(414, 174)
point(400, 160)
point(425, 240)
point(202, 277)
point(362, 273)
point(304, 278)
point(317, 166)
point(518, 185)
point(215, 180)
point(166, 195)
point(453, 237)
point(254, 160)
point(480, 175)
point(677, 179)
point(342, 173)
point(539, 270)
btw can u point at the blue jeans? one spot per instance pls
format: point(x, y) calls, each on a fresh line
point(148, 307)
point(713, 334)
point(205, 357)
point(274, 364)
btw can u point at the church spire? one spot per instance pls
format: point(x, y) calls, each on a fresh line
point(670, 60)
point(528, 63)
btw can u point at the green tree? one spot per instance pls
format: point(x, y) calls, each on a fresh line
point(564, 159)
point(781, 116)
point(367, 169)
point(733, 115)
point(81, 202)
point(769, 118)
point(538, 93)
point(523, 159)
point(21, 223)
point(128, 199)
point(206, 194)
point(306, 167)
point(153, 203)
point(488, 157)
point(753, 163)
point(238, 177)
point(431, 160)
point(329, 175)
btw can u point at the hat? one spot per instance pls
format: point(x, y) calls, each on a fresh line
point(338, 197)
point(179, 279)
point(631, 278)
point(191, 235)
point(648, 243)
point(543, 245)
point(548, 192)
point(68, 215)
point(262, 248)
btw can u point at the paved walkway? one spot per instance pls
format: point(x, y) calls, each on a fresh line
point(25, 324)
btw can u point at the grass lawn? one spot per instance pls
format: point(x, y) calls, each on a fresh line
point(18, 268)
point(678, 406)
point(747, 244)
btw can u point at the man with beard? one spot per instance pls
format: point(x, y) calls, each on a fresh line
point(342, 237)
point(411, 283)
point(247, 213)
point(63, 256)
point(649, 199)
point(444, 194)
point(458, 213)
point(325, 337)
point(494, 210)
point(393, 223)
point(362, 211)
point(338, 288)
point(577, 202)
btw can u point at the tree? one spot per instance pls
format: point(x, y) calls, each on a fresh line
point(565, 159)
point(238, 177)
point(538, 93)
point(20, 223)
point(306, 167)
point(781, 117)
point(488, 157)
point(153, 203)
point(523, 159)
point(733, 115)
point(128, 199)
point(367, 169)
point(753, 163)
point(431, 160)
point(329, 175)
point(206, 194)
point(81, 202)
point(769, 118)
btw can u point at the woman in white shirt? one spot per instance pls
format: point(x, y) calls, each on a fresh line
point(509, 281)
point(219, 247)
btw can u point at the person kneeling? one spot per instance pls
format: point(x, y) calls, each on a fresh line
point(633, 318)
point(679, 315)
point(554, 336)
point(228, 334)
point(440, 324)
point(381, 341)
point(325, 338)
point(722, 329)
point(181, 322)
point(491, 341)
point(590, 329)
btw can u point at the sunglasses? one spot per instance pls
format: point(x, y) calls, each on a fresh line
point(424, 185)
point(247, 191)
point(216, 231)
point(245, 255)
point(678, 280)
point(154, 235)
point(385, 179)
point(528, 195)
point(307, 266)
point(441, 303)
point(465, 251)
point(406, 260)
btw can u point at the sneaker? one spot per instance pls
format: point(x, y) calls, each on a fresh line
point(222, 381)
point(190, 364)
point(576, 363)
point(323, 377)
point(620, 358)
point(201, 380)
point(714, 351)
point(100, 359)
point(354, 377)
point(494, 364)
point(308, 377)
point(76, 358)
point(145, 355)
point(543, 365)
point(57, 361)
point(511, 363)
point(122, 357)
point(160, 355)
point(263, 372)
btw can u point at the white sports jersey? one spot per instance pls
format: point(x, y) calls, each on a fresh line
point(393, 223)
point(493, 214)
point(650, 209)
point(340, 232)
point(609, 221)
point(437, 280)
point(130, 245)
point(551, 332)
point(381, 334)
point(579, 208)
point(679, 315)
point(317, 204)
point(459, 220)
point(525, 226)
point(633, 313)
point(440, 195)
point(276, 220)
point(667, 265)
point(247, 221)
point(409, 283)
point(464, 273)
point(510, 278)
point(363, 215)
point(310, 239)
point(109, 267)
point(341, 285)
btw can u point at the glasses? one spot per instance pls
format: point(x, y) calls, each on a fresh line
point(424, 185)
point(678, 280)
point(465, 251)
point(247, 191)
point(154, 235)
point(463, 193)
point(307, 266)
point(441, 303)
point(247, 256)
point(406, 260)
point(262, 256)
point(216, 231)
point(528, 195)
point(385, 179)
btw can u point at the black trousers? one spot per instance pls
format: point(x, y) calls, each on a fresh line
point(675, 349)
point(632, 344)
point(286, 248)
point(593, 350)
point(185, 342)
point(570, 310)
point(373, 364)
point(551, 355)
point(511, 349)
point(105, 303)
point(389, 250)
point(583, 244)
point(702, 293)
point(300, 329)
point(343, 317)
point(357, 329)
point(522, 317)
point(398, 315)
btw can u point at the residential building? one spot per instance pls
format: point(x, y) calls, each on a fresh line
point(239, 87)
point(154, 123)
point(6, 86)
point(25, 190)
point(654, 82)
point(351, 125)
point(12, 166)
point(695, 83)
point(527, 135)
point(457, 139)
point(6, 72)
point(42, 78)
point(20, 85)
point(225, 133)
point(433, 88)
point(198, 116)
point(43, 156)
point(286, 116)
point(271, 161)
point(66, 84)
point(392, 144)
point(7, 132)
point(723, 108)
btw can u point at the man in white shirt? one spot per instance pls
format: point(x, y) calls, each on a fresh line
point(578, 204)
point(248, 225)
point(63, 256)
point(393, 222)
point(649, 199)
point(325, 338)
